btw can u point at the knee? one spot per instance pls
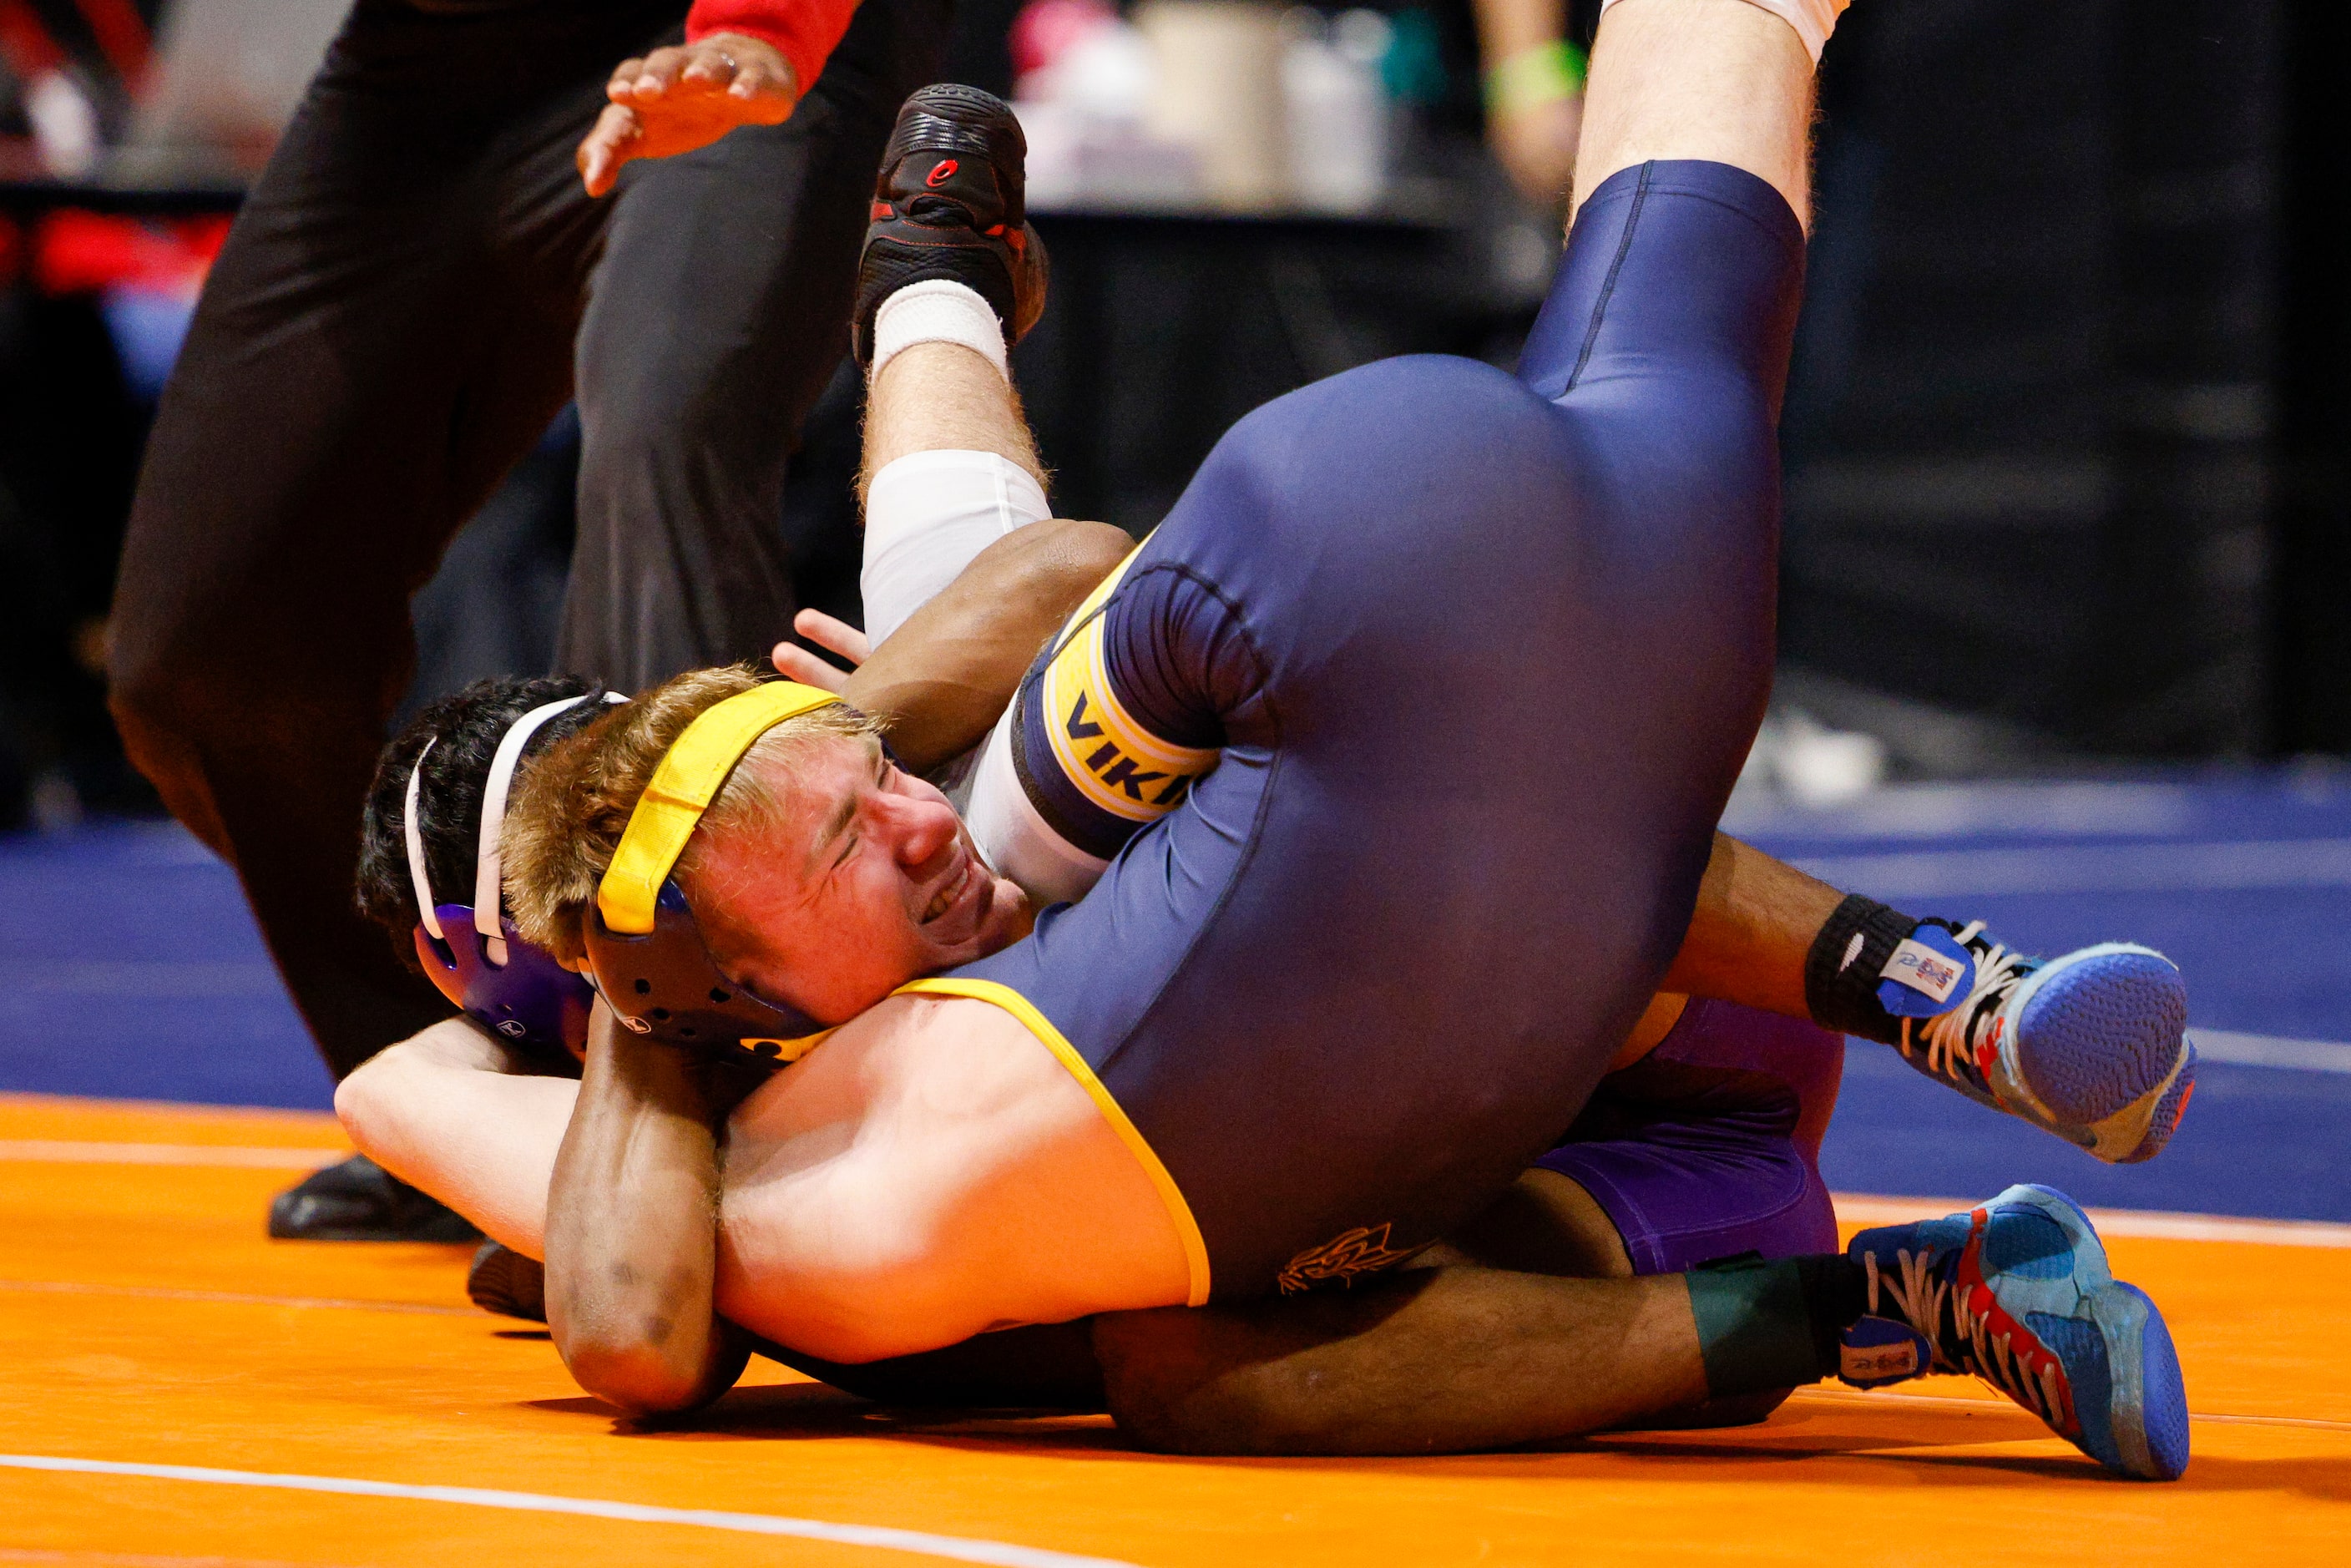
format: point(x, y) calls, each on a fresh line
point(167, 691)
point(198, 705)
point(651, 414)
point(1155, 1402)
point(644, 457)
point(382, 1102)
point(368, 1100)
point(147, 697)
point(160, 711)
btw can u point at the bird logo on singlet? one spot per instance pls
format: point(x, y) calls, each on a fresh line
point(1362, 1250)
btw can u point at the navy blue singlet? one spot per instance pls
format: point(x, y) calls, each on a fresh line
point(1408, 730)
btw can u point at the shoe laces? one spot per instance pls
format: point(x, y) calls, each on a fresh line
point(1954, 1040)
point(1969, 1339)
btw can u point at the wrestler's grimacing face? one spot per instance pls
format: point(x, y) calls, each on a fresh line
point(867, 880)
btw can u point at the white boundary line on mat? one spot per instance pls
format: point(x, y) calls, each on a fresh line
point(1872, 1210)
point(2232, 865)
point(74, 1151)
point(1002, 1554)
point(235, 1298)
point(2270, 1050)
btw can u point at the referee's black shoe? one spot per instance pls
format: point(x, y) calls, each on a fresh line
point(504, 1282)
point(950, 203)
point(358, 1200)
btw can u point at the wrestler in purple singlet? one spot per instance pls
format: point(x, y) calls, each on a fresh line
point(1709, 1146)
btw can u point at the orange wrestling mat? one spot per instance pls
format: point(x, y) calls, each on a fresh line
point(180, 1391)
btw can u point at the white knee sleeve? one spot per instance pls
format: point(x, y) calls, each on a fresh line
point(926, 515)
point(1814, 20)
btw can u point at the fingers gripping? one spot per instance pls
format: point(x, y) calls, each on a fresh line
point(797, 663)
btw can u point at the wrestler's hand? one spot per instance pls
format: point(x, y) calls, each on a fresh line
point(687, 96)
point(795, 663)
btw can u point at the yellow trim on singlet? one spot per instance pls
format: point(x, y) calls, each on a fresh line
point(1187, 1230)
point(790, 1050)
point(1110, 746)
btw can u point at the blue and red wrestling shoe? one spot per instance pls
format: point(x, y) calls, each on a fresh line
point(2091, 1045)
point(2017, 1292)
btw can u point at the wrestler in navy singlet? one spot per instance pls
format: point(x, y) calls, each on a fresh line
point(1408, 730)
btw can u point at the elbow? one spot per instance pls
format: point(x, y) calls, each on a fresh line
point(1078, 553)
point(634, 1374)
point(1060, 559)
point(366, 1104)
point(645, 1341)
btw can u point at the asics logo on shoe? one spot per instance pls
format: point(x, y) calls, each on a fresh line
point(940, 174)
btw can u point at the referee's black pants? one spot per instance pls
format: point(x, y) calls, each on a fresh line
point(415, 287)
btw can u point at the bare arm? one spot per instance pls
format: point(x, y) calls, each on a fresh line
point(452, 1110)
point(943, 680)
point(632, 1231)
point(1534, 107)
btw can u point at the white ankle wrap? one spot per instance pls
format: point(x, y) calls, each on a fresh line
point(937, 311)
point(1814, 20)
point(926, 515)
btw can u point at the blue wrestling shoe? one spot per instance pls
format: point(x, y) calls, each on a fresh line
point(2091, 1046)
point(2017, 1292)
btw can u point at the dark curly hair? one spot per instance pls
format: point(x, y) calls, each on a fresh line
point(464, 731)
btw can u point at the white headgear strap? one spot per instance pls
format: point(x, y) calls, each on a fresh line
point(487, 900)
point(415, 836)
point(488, 896)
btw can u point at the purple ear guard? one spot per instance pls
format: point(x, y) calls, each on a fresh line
point(502, 982)
point(664, 985)
point(530, 999)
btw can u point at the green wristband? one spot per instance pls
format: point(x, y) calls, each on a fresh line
point(1532, 77)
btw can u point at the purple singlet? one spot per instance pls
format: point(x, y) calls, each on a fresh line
point(1709, 1145)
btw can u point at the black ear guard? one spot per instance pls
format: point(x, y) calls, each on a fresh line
point(650, 961)
point(665, 986)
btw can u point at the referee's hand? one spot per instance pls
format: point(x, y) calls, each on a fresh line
point(676, 99)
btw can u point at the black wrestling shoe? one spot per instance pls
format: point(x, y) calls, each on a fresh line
point(950, 203)
point(504, 1282)
point(358, 1200)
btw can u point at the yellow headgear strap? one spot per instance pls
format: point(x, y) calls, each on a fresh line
point(683, 787)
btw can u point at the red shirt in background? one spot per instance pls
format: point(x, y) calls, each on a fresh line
point(803, 31)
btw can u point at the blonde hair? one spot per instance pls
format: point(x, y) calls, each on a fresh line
point(565, 821)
